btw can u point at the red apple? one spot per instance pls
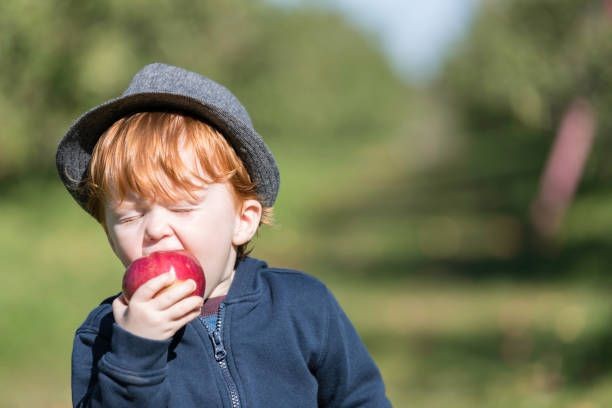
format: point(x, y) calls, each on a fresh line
point(142, 269)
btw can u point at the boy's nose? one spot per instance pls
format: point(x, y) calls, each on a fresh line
point(157, 226)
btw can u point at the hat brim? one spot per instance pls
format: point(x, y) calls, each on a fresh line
point(75, 149)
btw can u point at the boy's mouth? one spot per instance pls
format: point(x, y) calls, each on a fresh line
point(149, 251)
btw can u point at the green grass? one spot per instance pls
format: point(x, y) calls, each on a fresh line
point(465, 345)
point(451, 344)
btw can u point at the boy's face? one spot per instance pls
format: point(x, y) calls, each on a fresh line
point(209, 228)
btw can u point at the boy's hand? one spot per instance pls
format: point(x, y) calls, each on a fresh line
point(155, 314)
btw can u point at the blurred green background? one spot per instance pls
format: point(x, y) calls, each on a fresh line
point(421, 204)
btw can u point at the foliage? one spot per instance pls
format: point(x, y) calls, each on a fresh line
point(412, 205)
point(62, 57)
point(506, 87)
point(525, 60)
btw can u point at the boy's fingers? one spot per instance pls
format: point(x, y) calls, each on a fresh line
point(187, 318)
point(122, 299)
point(150, 288)
point(170, 296)
point(119, 305)
point(187, 306)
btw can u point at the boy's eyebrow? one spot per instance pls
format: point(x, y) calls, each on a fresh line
point(198, 198)
point(131, 203)
point(121, 206)
point(124, 203)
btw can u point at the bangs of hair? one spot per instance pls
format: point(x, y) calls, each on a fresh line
point(141, 154)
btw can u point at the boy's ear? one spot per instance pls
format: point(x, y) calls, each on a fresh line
point(248, 218)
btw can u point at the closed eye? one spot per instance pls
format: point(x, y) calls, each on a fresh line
point(129, 218)
point(183, 209)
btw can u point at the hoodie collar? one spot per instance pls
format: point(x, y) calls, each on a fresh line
point(245, 285)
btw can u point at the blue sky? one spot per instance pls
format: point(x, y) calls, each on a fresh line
point(414, 34)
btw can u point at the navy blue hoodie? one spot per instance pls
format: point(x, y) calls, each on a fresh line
point(281, 340)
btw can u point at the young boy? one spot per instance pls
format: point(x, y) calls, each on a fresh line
point(175, 164)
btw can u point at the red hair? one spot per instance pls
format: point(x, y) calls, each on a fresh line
point(141, 154)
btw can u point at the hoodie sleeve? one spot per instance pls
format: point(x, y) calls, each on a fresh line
point(113, 368)
point(347, 375)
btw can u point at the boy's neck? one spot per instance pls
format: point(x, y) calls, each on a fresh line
point(223, 286)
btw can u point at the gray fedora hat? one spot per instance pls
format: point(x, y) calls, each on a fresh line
point(161, 87)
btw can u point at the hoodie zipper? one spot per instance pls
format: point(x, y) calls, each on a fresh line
point(221, 357)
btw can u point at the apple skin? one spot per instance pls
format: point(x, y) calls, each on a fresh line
point(142, 269)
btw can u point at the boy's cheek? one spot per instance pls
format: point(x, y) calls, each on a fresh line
point(119, 251)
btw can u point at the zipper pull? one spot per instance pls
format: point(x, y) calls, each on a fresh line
point(220, 352)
